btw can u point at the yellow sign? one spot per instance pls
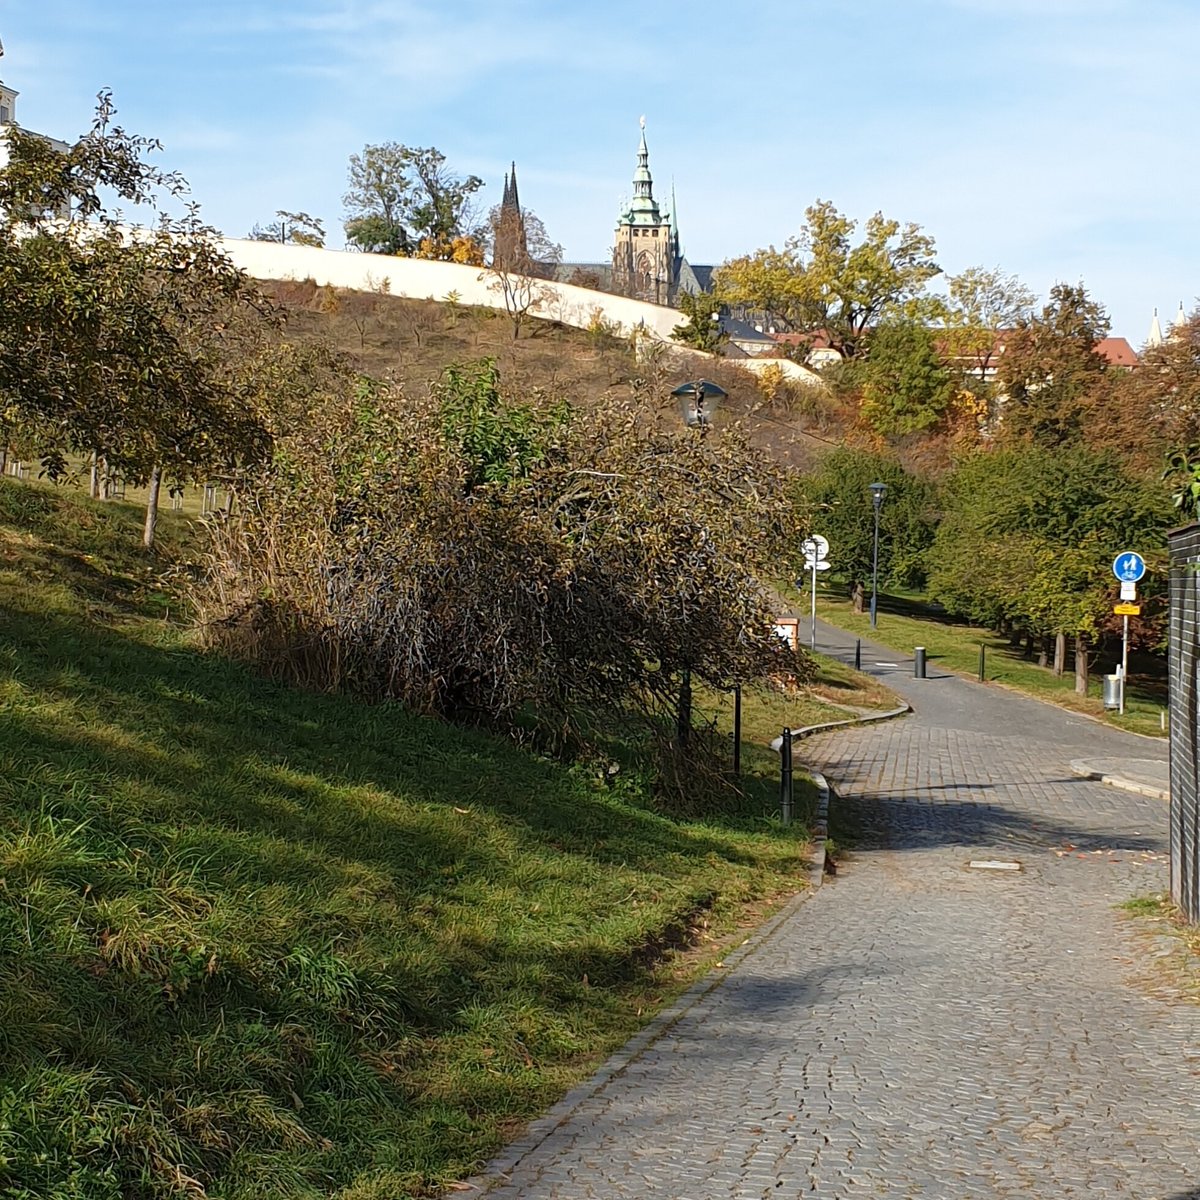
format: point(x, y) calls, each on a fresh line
point(1127, 610)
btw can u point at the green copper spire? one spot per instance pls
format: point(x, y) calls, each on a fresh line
point(644, 208)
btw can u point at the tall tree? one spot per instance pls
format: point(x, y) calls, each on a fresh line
point(1028, 535)
point(822, 281)
point(400, 196)
point(906, 385)
point(116, 343)
point(1050, 374)
point(983, 305)
point(835, 501)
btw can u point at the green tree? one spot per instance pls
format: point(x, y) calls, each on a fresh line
point(400, 196)
point(1027, 539)
point(906, 386)
point(1050, 374)
point(822, 281)
point(294, 228)
point(702, 330)
point(122, 344)
point(835, 501)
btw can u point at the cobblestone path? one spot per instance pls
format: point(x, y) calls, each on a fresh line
point(918, 1028)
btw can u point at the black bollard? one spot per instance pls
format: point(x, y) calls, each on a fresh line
point(858, 654)
point(785, 777)
point(919, 663)
point(981, 662)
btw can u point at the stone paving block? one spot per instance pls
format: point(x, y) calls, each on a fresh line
point(917, 1029)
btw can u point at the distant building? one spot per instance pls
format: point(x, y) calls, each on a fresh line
point(510, 243)
point(8, 120)
point(648, 262)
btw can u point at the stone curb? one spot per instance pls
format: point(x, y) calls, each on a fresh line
point(1080, 768)
point(501, 1167)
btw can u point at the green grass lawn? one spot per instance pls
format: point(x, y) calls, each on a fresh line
point(261, 943)
point(955, 646)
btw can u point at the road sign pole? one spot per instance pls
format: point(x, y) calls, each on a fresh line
point(813, 639)
point(1124, 660)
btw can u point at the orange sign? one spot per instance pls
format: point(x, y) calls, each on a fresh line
point(1127, 610)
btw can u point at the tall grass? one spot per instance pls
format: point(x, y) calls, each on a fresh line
point(261, 943)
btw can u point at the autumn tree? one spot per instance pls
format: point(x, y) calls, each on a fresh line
point(983, 304)
point(401, 196)
point(115, 342)
point(1155, 409)
point(291, 228)
point(1050, 374)
point(821, 280)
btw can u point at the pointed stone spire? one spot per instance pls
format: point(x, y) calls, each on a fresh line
point(1154, 337)
point(514, 199)
point(1180, 320)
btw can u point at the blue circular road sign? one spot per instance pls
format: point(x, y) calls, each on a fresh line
point(1129, 567)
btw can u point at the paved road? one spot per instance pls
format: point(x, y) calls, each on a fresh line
point(918, 1028)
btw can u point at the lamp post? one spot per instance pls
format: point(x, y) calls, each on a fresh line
point(878, 491)
point(698, 400)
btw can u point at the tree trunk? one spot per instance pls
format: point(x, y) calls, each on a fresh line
point(94, 479)
point(1027, 653)
point(1060, 654)
point(152, 508)
point(3, 459)
point(683, 719)
point(1081, 664)
point(1044, 652)
point(1014, 637)
point(857, 592)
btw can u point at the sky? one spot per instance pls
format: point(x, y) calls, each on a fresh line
point(1042, 137)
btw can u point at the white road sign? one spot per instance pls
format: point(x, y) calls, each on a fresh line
point(815, 546)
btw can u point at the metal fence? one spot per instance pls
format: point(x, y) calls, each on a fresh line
point(1184, 657)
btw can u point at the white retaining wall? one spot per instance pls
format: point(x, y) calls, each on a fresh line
point(424, 279)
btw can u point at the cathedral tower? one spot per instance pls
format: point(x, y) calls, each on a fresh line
point(646, 244)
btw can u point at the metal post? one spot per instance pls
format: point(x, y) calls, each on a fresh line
point(737, 731)
point(875, 568)
point(981, 662)
point(858, 654)
point(919, 663)
point(1124, 660)
point(785, 777)
point(813, 639)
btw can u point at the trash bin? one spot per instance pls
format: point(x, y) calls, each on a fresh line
point(1112, 691)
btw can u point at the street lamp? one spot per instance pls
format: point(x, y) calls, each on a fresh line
point(877, 490)
point(698, 402)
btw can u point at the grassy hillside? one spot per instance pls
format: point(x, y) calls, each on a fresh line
point(413, 340)
point(261, 943)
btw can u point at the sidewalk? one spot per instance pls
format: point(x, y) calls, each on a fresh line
point(1142, 774)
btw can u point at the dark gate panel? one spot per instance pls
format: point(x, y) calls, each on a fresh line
point(1184, 657)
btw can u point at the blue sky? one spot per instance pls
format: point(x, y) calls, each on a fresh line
point(1050, 138)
